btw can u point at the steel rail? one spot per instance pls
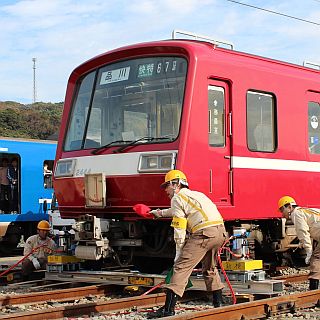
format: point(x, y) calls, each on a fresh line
point(230, 312)
point(88, 308)
point(292, 278)
point(249, 310)
point(56, 294)
point(257, 309)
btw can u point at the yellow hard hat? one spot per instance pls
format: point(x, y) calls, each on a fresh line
point(286, 200)
point(43, 225)
point(175, 175)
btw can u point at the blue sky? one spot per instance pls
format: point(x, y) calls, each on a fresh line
point(61, 34)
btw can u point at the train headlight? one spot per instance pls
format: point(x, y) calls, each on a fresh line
point(65, 168)
point(161, 162)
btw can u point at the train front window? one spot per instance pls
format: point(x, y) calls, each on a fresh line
point(79, 113)
point(132, 99)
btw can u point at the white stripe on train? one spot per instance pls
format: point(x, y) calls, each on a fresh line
point(274, 164)
point(127, 164)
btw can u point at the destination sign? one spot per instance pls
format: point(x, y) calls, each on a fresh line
point(115, 75)
point(141, 70)
point(161, 67)
point(145, 70)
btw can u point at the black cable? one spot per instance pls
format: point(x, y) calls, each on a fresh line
point(274, 12)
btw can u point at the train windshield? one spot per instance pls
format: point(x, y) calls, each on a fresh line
point(127, 101)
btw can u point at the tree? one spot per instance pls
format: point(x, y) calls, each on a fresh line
point(36, 121)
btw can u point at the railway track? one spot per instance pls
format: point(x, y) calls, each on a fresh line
point(104, 299)
point(58, 295)
point(292, 278)
point(250, 310)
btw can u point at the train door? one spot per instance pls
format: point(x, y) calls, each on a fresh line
point(219, 114)
point(10, 189)
point(47, 174)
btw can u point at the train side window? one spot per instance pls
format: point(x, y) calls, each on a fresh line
point(313, 127)
point(47, 174)
point(261, 122)
point(216, 105)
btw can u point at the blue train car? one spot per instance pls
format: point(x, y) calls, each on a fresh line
point(25, 201)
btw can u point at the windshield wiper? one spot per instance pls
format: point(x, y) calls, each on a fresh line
point(97, 150)
point(134, 142)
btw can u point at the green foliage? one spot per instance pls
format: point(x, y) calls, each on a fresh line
point(36, 121)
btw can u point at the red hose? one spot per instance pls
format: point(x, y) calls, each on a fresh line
point(223, 247)
point(154, 287)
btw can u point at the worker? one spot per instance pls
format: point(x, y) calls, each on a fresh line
point(195, 213)
point(40, 246)
point(307, 225)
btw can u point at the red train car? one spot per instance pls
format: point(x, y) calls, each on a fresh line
point(245, 130)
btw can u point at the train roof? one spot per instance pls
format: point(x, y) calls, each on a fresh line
point(28, 140)
point(185, 45)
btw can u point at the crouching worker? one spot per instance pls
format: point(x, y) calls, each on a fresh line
point(307, 225)
point(38, 259)
point(194, 212)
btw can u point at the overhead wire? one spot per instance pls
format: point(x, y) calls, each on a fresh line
point(275, 12)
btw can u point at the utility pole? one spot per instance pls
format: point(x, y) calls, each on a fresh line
point(34, 80)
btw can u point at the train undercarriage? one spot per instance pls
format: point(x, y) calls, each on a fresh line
point(149, 246)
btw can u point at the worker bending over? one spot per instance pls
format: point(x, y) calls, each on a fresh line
point(42, 246)
point(194, 212)
point(307, 225)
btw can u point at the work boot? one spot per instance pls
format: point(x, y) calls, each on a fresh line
point(168, 308)
point(217, 300)
point(313, 284)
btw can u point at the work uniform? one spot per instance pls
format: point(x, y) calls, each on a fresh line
point(40, 254)
point(195, 213)
point(307, 225)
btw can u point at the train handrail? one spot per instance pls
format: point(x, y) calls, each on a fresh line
point(313, 65)
point(54, 202)
point(206, 38)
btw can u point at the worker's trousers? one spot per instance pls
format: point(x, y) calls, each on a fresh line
point(28, 267)
point(200, 246)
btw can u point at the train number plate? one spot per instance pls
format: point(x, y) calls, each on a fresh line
point(143, 281)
